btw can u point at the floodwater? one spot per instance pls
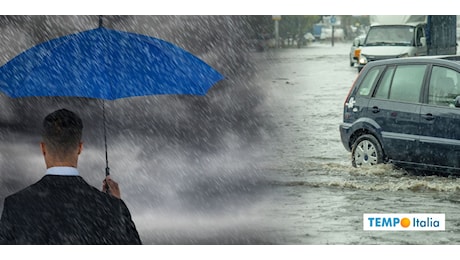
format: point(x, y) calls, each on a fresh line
point(321, 198)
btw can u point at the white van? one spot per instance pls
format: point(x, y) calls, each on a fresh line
point(394, 36)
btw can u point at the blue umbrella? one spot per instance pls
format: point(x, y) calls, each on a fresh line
point(106, 64)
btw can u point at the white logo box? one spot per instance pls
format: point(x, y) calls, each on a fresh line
point(404, 222)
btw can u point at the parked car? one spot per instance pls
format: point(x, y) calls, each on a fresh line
point(355, 49)
point(405, 112)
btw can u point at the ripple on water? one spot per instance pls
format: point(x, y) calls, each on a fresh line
point(382, 177)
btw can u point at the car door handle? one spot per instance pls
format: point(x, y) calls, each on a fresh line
point(428, 117)
point(375, 109)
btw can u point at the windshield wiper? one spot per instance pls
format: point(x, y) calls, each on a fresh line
point(378, 43)
point(388, 44)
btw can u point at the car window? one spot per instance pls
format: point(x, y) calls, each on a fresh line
point(444, 86)
point(384, 87)
point(368, 82)
point(407, 83)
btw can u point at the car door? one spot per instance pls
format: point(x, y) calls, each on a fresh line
point(395, 106)
point(440, 119)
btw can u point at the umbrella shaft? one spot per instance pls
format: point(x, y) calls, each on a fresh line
point(107, 169)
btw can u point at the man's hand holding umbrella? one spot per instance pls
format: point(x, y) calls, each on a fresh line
point(110, 186)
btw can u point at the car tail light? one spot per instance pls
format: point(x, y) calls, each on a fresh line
point(349, 91)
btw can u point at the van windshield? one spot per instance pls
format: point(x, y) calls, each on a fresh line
point(390, 35)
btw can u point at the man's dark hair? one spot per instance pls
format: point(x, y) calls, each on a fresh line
point(62, 130)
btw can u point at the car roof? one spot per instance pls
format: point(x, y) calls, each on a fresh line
point(438, 59)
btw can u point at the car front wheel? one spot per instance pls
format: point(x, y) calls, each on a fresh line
point(366, 151)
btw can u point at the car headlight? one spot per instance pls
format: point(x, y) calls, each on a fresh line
point(362, 59)
point(405, 55)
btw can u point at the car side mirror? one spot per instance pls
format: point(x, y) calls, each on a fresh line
point(457, 102)
point(356, 43)
point(423, 41)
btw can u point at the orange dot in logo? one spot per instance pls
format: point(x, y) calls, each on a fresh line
point(405, 222)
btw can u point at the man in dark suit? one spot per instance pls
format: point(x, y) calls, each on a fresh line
point(62, 208)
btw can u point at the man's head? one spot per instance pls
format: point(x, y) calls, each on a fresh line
point(62, 132)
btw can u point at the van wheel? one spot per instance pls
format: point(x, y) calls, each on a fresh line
point(366, 151)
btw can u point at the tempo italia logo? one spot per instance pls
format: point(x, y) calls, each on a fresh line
point(404, 222)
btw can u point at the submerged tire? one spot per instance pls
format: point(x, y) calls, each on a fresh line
point(366, 151)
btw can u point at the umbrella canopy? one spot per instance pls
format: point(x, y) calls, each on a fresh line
point(107, 64)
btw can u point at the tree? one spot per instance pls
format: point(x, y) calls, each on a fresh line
point(361, 21)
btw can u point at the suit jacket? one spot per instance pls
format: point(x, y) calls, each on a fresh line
point(65, 210)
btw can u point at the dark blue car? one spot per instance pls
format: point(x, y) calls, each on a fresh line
point(406, 112)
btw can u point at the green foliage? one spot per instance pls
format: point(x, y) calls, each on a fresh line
point(291, 25)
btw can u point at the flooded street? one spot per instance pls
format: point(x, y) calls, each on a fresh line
point(321, 197)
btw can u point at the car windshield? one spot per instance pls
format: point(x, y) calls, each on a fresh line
point(390, 35)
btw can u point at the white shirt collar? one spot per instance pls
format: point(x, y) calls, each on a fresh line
point(62, 170)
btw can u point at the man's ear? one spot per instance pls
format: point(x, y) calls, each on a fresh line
point(43, 148)
point(80, 147)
